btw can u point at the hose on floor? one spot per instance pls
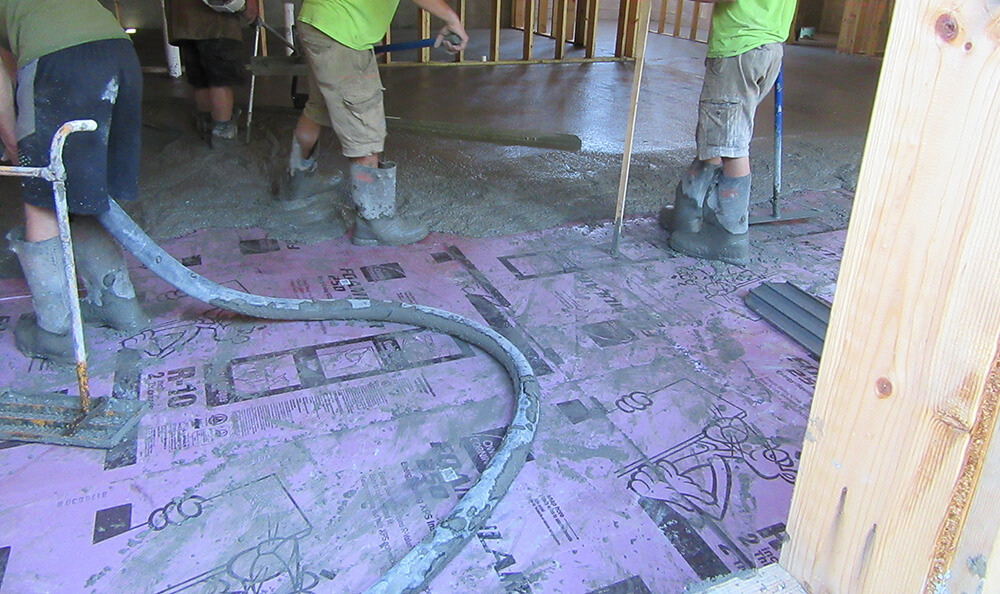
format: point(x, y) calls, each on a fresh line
point(415, 570)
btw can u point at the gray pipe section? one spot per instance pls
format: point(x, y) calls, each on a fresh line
point(416, 569)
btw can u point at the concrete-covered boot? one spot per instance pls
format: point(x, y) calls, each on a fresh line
point(46, 335)
point(223, 134)
point(725, 233)
point(110, 300)
point(373, 191)
point(689, 197)
point(300, 185)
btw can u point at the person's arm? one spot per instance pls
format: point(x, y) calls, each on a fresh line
point(452, 24)
point(8, 73)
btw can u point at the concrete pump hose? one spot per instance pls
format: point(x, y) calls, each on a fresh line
point(413, 572)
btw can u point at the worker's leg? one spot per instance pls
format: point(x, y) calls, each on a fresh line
point(733, 89)
point(195, 75)
point(107, 88)
point(215, 68)
point(347, 83)
point(213, 104)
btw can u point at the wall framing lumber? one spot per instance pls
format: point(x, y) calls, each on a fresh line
point(495, 25)
point(424, 53)
point(559, 25)
point(530, 8)
point(897, 472)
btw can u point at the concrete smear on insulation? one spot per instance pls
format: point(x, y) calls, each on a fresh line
point(309, 456)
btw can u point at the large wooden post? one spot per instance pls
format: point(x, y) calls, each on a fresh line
point(899, 482)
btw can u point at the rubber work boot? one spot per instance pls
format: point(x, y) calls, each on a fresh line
point(46, 335)
point(110, 300)
point(223, 134)
point(689, 197)
point(300, 185)
point(725, 233)
point(373, 192)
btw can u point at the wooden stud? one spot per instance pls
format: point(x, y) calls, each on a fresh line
point(591, 39)
point(495, 30)
point(621, 38)
point(517, 10)
point(543, 17)
point(677, 18)
point(559, 24)
point(572, 14)
point(424, 53)
point(582, 19)
point(263, 36)
point(895, 490)
point(460, 9)
point(386, 40)
point(695, 16)
point(529, 28)
point(643, 14)
point(662, 24)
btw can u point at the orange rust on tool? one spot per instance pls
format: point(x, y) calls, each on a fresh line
point(81, 380)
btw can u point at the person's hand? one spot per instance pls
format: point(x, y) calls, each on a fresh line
point(251, 11)
point(446, 37)
point(10, 151)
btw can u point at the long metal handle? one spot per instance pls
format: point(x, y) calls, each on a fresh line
point(55, 172)
point(776, 193)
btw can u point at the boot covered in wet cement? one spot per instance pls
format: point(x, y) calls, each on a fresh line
point(689, 197)
point(724, 234)
point(46, 335)
point(110, 301)
point(373, 191)
point(300, 185)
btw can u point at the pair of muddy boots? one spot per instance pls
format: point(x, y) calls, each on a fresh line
point(710, 217)
point(110, 299)
point(372, 190)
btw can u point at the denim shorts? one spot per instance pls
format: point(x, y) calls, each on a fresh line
point(100, 81)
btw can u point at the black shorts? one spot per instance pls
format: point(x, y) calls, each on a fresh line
point(100, 81)
point(212, 62)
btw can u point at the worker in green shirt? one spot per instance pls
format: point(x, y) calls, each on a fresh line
point(345, 92)
point(712, 200)
point(71, 61)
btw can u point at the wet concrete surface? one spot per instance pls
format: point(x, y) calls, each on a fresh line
point(479, 189)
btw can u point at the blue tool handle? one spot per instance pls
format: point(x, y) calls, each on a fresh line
point(775, 205)
point(408, 45)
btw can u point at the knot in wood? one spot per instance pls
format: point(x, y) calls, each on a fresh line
point(883, 387)
point(946, 27)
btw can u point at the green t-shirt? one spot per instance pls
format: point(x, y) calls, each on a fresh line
point(358, 24)
point(31, 29)
point(739, 26)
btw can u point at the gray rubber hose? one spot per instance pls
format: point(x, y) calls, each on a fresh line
point(427, 558)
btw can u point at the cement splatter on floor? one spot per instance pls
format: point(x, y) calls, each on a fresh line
point(310, 456)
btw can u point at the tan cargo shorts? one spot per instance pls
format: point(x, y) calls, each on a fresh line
point(345, 92)
point(733, 88)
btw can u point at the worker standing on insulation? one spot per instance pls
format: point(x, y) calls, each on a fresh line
point(210, 40)
point(72, 61)
point(710, 216)
point(345, 92)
